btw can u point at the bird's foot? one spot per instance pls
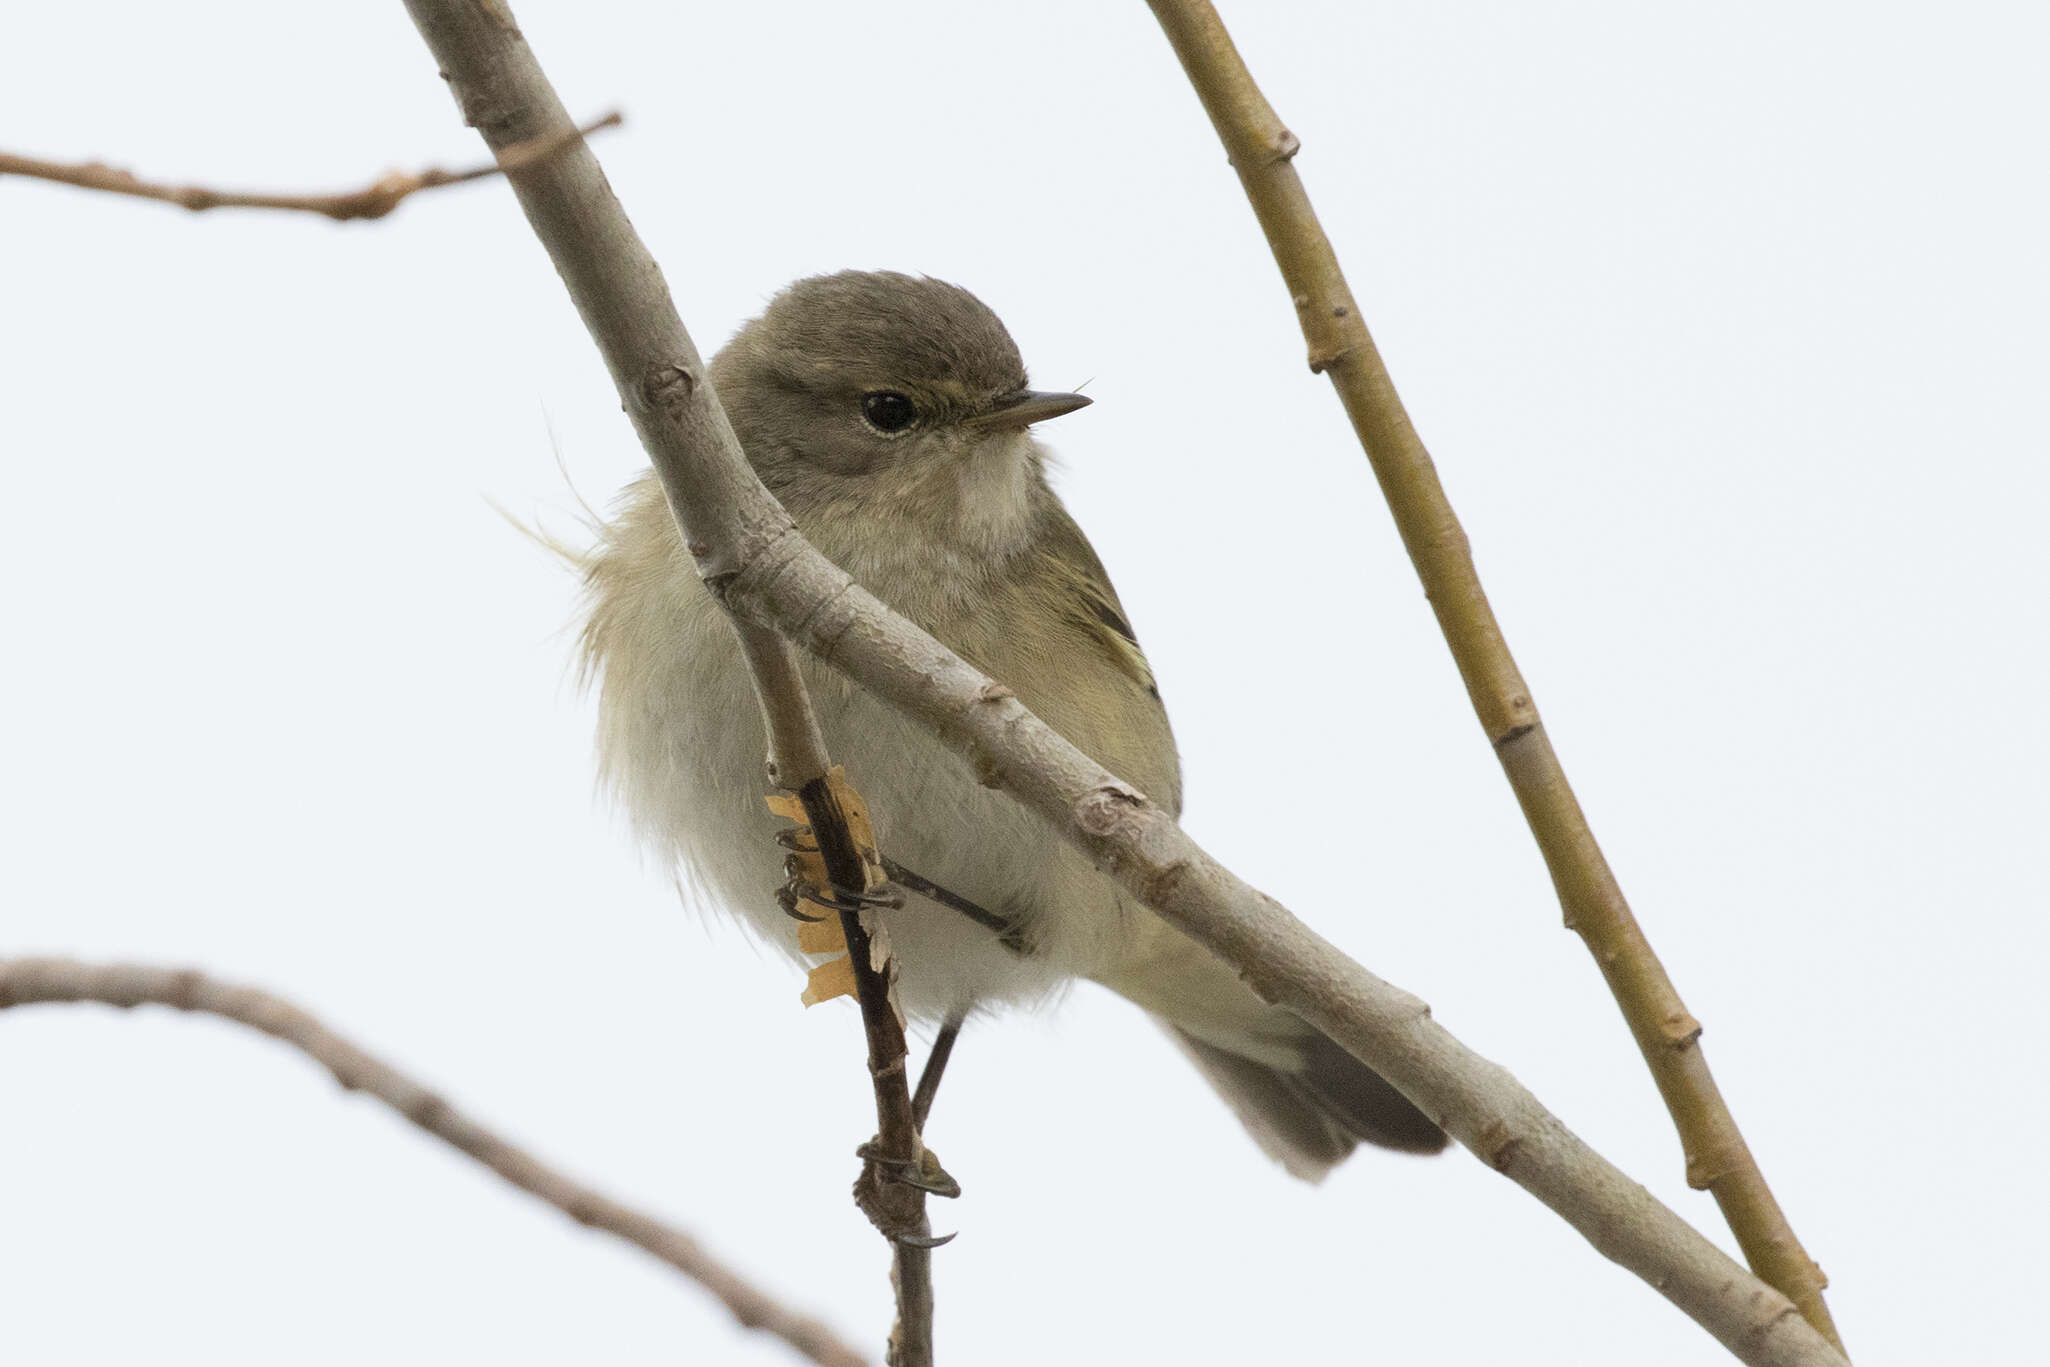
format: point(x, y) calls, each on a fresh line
point(899, 1221)
point(801, 888)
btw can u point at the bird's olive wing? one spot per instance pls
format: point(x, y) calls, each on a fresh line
point(1080, 591)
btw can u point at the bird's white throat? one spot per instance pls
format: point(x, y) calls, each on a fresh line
point(943, 532)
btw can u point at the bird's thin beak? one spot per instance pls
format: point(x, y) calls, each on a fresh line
point(1029, 406)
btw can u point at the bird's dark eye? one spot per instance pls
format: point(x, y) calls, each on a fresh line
point(888, 411)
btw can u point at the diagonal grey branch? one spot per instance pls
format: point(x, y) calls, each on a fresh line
point(25, 982)
point(752, 558)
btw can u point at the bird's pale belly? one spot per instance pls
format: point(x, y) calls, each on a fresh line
point(690, 769)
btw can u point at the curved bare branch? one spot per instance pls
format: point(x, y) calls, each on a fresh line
point(27, 981)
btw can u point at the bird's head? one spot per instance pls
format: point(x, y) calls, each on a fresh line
point(900, 394)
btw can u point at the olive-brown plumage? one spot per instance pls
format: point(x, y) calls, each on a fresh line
point(890, 414)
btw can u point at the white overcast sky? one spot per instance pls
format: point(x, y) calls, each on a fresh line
point(1727, 330)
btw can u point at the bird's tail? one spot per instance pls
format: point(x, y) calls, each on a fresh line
point(1306, 1102)
point(1309, 1120)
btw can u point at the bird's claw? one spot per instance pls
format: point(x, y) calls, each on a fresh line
point(926, 1174)
point(881, 1170)
point(924, 1240)
point(788, 898)
point(798, 889)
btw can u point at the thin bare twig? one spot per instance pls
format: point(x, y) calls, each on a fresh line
point(752, 559)
point(27, 981)
point(373, 201)
point(1262, 152)
point(896, 1173)
point(798, 763)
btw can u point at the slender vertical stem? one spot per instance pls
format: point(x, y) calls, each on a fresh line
point(797, 748)
point(897, 1207)
point(720, 507)
point(1262, 151)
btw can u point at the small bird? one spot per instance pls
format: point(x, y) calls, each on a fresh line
point(891, 417)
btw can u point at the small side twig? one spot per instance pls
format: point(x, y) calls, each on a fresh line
point(29, 981)
point(1262, 151)
point(373, 201)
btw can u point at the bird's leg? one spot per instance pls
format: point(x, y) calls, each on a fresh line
point(935, 1065)
point(1008, 935)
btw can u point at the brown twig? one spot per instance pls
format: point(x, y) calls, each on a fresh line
point(798, 763)
point(373, 201)
point(1261, 151)
point(890, 1189)
point(753, 560)
point(27, 981)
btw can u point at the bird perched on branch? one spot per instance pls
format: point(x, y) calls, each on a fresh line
point(891, 417)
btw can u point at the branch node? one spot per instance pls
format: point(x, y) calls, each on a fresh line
point(1322, 358)
point(1711, 1166)
point(1680, 1029)
point(188, 987)
point(1162, 883)
point(719, 584)
point(427, 1110)
point(1107, 806)
point(668, 386)
point(1498, 1146)
point(1512, 733)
